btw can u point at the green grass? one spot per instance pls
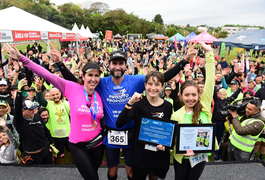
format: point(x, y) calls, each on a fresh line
point(233, 54)
point(43, 44)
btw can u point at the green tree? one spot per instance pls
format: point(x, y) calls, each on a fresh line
point(171, 32)
point(71, 13)
point(223, 34)
point(158, 19)
point(99, 7)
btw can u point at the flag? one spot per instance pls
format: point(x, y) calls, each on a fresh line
point(176, 41)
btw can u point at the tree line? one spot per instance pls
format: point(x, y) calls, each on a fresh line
point(98, 17)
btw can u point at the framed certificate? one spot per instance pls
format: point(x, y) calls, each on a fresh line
point(200, 138)
point(157, 131)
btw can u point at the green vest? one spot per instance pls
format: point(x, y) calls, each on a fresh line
point(229, 93)
point(171, 101)
point(151, 64)
point(202, 140)
point(198, 139)
point(245, 143)
point(206, 142)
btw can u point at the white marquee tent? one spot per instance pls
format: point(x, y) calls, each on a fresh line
point(13, 18)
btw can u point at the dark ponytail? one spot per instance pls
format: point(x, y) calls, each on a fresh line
point(198, 107)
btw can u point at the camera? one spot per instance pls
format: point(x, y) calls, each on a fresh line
point(239, 106)
point(21, 76)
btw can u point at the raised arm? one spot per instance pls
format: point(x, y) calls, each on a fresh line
point(207, 95)
point(127, 113)
point(18, 104)
point(55, 80)
point(179, 66)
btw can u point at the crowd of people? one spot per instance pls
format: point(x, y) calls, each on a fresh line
point(92, 102)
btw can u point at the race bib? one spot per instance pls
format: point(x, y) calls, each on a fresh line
point(150, 147)
point(118, 137)
point(60, 132)
point(196, 159)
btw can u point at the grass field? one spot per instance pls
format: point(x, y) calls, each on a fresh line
point(23, 46)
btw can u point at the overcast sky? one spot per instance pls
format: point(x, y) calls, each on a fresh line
point(193, 12)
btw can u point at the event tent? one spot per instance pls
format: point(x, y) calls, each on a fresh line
point(90, 33)
point(187, 38)
point(13, 18)
point(15, 27)
point(149, 35)
point(118, 36)
point(159, 36)
point(178, 36)
point(253, 39)
point(204, 37)
point(83, 34)
point(75, 28)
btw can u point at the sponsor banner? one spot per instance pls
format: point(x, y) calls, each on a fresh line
point(68, 37)
point(44, 34)
point(6, 36)
point(55, 35)
point(108, 35)
point(26, 35)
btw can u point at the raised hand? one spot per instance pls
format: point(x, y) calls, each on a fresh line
point(2, 123)
point(224, 72)
point(191, 52)
point(16, 66)
point(258, 60)
point(1, 72)
point(12, 51)
point(54, 53)
point(38, 82)
point(243, 85)
point(206, 47)
point(135, 98)
point(236, 68)
point(22, 83)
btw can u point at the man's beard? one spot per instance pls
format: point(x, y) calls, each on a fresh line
point(218, 82)
point(117, 76)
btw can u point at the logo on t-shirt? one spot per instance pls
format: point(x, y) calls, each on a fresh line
point(119, 96)
point(158, 114)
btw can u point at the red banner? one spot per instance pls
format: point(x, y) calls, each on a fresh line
point(26, 35)
point(68, 37)
point(108, 35)
point(55, 35)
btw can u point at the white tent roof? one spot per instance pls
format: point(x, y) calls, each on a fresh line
point(87, 29)
point(75, 28)
point(14, 18)
point(86, 33)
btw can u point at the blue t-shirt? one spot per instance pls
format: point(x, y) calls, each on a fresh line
point(115, 97)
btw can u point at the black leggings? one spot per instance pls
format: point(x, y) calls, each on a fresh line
point(87, 161)
point(185, 172)
point(140, 173)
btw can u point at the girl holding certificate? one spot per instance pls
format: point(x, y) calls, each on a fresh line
point(145, 157)
point(196, 110)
